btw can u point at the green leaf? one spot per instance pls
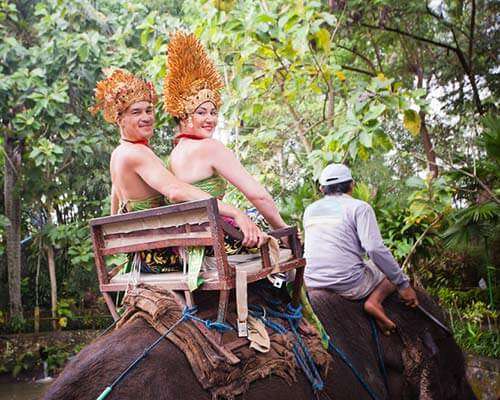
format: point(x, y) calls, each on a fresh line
point(323, 38)
point(411, 122)
point(353, 149)
point(83, 53)
point(330, 19)
point(144, 37)
point(415, 182)
point(299, 41)
point(374, 112)
point(264, 18)
point(366, 139)
point(59, 97)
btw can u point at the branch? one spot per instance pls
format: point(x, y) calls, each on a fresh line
point(457, 50)
point(377, 52)
point(443, 21)
point(318, 66)
point(363, 57)
point(298, 120)
point(301, 130)
point(10, 162)
point(471, 35)
point(468, 70)
point(359, 70)
point(65, 165)
point(466, 173)
point(419, 240)
point(410, 35)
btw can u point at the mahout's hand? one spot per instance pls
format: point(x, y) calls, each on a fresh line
point(409, 296)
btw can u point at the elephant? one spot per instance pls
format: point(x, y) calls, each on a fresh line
point(421, 361)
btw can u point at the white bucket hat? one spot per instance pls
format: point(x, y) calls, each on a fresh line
point(335, 173)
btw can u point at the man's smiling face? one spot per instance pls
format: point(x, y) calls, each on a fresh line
point(137, 121)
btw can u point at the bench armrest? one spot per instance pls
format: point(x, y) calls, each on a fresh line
point(231, 230)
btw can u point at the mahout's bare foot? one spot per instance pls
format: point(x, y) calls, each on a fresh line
point(386, 325)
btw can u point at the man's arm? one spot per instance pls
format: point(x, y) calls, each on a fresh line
point(115, 201)
point(371, 241)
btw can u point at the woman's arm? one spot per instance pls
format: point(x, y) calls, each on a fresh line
point(152, 170)
point(229, 167)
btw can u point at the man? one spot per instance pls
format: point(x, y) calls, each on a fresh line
point(137, 174)
point(339, 232)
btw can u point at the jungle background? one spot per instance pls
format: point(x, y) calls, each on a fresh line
point(405, 93)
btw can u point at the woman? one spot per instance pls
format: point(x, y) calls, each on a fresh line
point(191, 95)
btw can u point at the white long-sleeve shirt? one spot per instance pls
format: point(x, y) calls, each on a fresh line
point(339, 231)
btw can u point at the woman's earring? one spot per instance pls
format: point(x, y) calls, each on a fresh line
point(190, 122)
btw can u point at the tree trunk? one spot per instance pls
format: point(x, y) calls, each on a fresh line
point(330, 105)
point(53, 284)
point(12, 167)
point(424, 132)
point(429, 149)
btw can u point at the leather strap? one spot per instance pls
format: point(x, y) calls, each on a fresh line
point(242, 302)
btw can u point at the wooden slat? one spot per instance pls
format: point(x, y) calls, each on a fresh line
point(154, 212)
point(172, 285)
point(218, 243)
point(231, 230)
point(282, 232)
point(161, 231)
point(160, 221)
point(126, 240)
point(124, 247)
point(284, 267)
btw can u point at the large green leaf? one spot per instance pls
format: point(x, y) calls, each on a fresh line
point(411, 121)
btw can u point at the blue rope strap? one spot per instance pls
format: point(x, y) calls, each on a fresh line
point(188, 314)
point(134, 363)
point(305, 358)
point(380, 358)
point(334, 349)
point(300, 350)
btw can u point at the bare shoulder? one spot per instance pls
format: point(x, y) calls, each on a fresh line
point(130, 154)
point(215, 148)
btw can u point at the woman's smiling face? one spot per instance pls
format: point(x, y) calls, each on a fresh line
point(204, 121)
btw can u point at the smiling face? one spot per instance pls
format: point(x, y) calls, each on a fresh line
point(203, 121)
point(137, 121)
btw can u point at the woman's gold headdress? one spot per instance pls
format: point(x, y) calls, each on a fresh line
point(119, 90)
point(191, 76)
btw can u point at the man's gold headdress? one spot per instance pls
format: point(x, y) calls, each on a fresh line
point(191, 76)
point(119, 90)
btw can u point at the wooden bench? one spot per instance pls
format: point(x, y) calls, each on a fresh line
point(195, 223)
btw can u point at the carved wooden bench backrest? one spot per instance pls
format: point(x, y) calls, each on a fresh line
point(196, 223)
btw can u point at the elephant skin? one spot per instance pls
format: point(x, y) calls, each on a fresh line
point(430, 366)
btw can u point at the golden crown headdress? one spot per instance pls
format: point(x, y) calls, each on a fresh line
point(119, 90)
point(191, 76)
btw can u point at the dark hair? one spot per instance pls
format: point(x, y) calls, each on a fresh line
point(337, 188)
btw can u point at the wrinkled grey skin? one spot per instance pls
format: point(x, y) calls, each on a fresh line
point(166, 375)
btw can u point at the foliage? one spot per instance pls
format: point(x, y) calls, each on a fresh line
point(307, 84)
point(56, 358)
point(468, 317)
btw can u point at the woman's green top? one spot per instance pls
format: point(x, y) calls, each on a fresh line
point(215, 186)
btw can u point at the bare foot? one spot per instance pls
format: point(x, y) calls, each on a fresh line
point(386, 325)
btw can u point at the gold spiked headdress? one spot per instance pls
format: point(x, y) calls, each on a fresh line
point(191, 76)
point(119, 90)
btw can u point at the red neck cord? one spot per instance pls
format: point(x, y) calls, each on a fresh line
point(141, 141)
point(187, 136)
